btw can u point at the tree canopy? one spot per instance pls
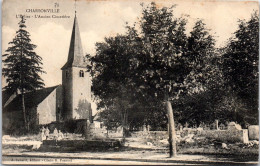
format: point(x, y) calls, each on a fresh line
point(22, 67)
point(240, 68)
point(134, 72)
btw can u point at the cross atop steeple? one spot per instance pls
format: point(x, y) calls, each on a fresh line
point(75, 4)
point(75, 57)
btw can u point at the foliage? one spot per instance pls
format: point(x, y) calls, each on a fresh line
point(110, 118)
point(22, 66)
point(202, 60)
point(240, 66)
point(161, 65)
point(129, 71)
point(133, 74)
point(84, 109)
point(110, 70)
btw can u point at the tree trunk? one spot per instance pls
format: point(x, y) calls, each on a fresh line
point(172, 134)
point(24, 113)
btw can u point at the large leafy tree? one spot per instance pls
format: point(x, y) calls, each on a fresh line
point(111, 118)
point(240, 68)
point(142, 70)
point(204, 81)
point(139, 73)
point(162, 66)
point(200, 55)
point(22, 66)
point(111, 71)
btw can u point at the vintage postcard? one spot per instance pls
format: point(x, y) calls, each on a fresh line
point(130, 82)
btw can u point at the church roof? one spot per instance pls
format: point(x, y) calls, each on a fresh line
point(5, 96)
point(31, 99)
point(75, 56)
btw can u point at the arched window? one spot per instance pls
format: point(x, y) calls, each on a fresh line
point(81, 73)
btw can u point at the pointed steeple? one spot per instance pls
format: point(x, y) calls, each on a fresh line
point(75, 57)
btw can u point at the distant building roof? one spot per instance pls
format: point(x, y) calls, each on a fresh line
point(6, 96)
point(31, 99)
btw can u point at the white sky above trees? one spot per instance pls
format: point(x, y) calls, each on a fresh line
point(98, 19)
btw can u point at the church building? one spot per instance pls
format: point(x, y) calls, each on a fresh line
point(76, 81)
point(69, 101)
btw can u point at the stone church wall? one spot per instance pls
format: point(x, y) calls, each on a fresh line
point(81, 93)
point(67, 93)
point(59, 103)
point(47, 109)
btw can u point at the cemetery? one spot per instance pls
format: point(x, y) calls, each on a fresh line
point(226, 140)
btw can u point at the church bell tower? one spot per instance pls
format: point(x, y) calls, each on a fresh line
point(76, 81)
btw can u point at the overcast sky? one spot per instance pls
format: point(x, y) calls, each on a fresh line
point(98, 19)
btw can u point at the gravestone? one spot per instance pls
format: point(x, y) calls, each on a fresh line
point(186, 125)
point(144, 128)
point(217, 125)
point(237, 131)
point(199, 130)
point(253, 132)
point(148, 128)
point(181, 128)
point(207, 127)
point(233, 126)
point(222, 126)
point(234, 133)
point(213, 126)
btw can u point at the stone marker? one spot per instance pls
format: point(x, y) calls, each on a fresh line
point(234, 133)
point(222, 126)
point(233, 126)
point(253, 132)
point(224, 146)
point(217, 125)
point(199, 130)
